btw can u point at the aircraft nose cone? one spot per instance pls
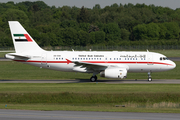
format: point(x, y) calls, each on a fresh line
point(173, 65)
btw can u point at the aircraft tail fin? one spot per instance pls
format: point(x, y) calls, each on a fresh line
point(23, 42)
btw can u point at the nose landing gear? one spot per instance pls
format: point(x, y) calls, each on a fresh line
point(149, 77)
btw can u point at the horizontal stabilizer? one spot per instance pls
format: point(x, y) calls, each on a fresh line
point(10, 55)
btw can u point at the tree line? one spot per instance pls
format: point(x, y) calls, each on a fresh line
point(116, 24)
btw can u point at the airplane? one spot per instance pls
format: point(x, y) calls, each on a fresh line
point(109, 64)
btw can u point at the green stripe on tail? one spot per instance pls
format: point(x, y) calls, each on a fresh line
point(17, 35)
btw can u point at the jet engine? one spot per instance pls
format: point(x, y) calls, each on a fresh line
point(114, 73)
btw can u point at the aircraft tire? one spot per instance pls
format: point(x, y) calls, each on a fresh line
point(93, 78)
point(149, 79)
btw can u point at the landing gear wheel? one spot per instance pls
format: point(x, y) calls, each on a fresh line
point(93, 78)
point(149, 79)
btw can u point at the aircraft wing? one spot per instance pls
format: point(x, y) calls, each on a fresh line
point(86, 64)
point(90, 66)
point(94, 66)
point(97, 66)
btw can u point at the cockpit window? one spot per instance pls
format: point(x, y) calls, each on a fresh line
point(163, 58)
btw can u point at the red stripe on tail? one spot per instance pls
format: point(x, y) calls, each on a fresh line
point(28, 38)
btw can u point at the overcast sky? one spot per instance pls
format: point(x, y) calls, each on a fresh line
point(90, 3)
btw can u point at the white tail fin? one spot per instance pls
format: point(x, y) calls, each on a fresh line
point(23, 42)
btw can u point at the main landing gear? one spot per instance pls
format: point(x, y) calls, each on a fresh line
point(93, 78)
point(149, 77)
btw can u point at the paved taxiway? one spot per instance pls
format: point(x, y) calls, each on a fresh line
point(155, 81)
point(83, 115)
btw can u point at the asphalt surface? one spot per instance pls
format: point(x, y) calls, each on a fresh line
point(82, 115)
point(174, 58)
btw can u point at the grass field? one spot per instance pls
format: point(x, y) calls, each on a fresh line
point(91, 97)
point(89, 88)
point(168, 53)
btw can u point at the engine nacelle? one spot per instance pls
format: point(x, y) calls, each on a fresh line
point(114, 73)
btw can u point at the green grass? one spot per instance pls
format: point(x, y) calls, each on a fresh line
point(168, 53)
point(2, 54)
point(18, 71)
point(82, 88)
point(91, 97)
point(75, 98)
point(129, 107)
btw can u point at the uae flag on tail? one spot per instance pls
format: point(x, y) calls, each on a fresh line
point(22, 38)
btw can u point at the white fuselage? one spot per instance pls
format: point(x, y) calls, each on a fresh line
point(132, 61)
